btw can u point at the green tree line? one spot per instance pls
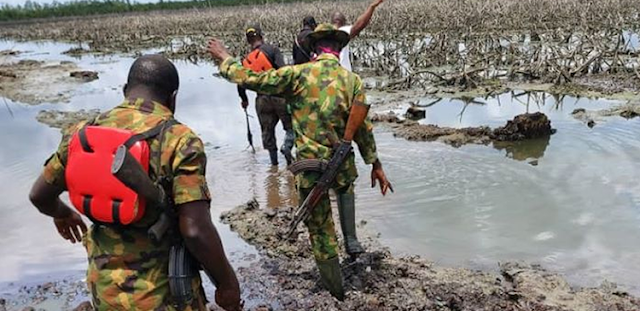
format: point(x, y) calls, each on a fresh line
point(32, 9)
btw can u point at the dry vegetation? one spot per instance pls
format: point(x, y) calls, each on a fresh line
point(411, 43)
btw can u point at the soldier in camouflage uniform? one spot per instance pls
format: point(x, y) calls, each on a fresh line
point(320, 94)
point(126, 270)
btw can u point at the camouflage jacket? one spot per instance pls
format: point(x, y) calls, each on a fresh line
point(320, 95)
point(126, 271)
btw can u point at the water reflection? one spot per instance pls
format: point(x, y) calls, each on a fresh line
point(528, 150)
point(280, 189)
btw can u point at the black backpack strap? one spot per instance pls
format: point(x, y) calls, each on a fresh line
point(82, 135)
point(150, 133)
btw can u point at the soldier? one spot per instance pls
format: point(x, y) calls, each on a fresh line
point(270, 108)
point(301, 54)
point(322, 93)
point(126, 269)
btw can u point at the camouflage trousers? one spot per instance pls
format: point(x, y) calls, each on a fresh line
point(322, 231)
point(270, 110)
point(121, 277)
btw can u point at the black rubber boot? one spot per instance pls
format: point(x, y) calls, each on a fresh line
point(273, 154)
point(331, 276)
point(347, 211)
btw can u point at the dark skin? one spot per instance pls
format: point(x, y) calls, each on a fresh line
point(361, 23)
point(254, 42)
point(194, 219)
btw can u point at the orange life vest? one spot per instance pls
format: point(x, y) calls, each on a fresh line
point(257, 61)
point(93, 189)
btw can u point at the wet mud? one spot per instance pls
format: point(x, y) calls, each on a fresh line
point(64, 119)
point(592, 117)
point(524, 126)
point(35, 82)
point(55, 295)
point(286, 278)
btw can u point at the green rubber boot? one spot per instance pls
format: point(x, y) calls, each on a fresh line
point(331, 276)
point(347, 211)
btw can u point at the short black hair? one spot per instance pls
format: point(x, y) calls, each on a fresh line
point(309, 21)
point(155, 73)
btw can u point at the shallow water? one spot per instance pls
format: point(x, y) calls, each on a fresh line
point(576, 211)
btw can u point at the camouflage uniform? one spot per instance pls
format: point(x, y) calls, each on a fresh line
point(320, 94)
point(126, 270)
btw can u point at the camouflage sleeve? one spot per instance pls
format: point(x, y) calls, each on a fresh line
point(364, 136)
point(189, 171)
point(54, 167)
point(270, 82)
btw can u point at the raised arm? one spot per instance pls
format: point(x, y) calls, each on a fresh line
point(270, 82)
point(363, 21)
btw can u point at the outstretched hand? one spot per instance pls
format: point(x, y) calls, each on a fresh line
point(376, 3)
point(378, 177)
point(71, 227)
point(217, 50)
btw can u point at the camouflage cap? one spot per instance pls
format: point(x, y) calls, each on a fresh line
point(327, 32)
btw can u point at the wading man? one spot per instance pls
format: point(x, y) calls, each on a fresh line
point(128, 268)
point(301, 52)
point(269, 107)
point(340, 21)
point(322, 94)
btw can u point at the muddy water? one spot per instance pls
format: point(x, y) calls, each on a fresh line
point(576, 210)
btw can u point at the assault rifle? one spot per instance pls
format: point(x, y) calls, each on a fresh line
point(329, 169)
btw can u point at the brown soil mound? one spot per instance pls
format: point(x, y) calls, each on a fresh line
point(524, 126)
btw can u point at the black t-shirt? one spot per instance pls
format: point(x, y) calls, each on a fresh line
point(300, 55)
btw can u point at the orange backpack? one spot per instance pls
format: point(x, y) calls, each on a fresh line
point(257, 61)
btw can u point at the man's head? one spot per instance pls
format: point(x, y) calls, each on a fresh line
point(327, 38)
point(254, 33)
point(309, 22)
point(153, 77)
point(338, 19)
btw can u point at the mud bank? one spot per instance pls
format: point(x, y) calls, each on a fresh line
point(35, 82)
point(64, 119)
point(286, 278)
point(592, 117)
point(55, 295)
point(524, 126)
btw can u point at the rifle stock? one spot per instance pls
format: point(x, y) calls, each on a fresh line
point(129, 171)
